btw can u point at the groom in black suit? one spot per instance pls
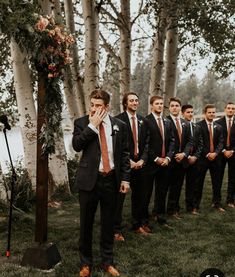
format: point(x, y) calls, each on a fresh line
point(103, 171)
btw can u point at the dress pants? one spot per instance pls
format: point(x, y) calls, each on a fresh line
point(105, 193)
point(136, 184)
point(155, 176)
point(176, 179)
point(231, 177)
point(191, 184)
point(214, 168)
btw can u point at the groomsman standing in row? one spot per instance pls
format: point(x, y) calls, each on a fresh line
point(183, 145)
point(161, 152)
point(192, 169)
point(138, 147)
point(228, 157)
point(212, 135)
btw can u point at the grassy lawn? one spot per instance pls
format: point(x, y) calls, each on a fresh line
point(194, 244)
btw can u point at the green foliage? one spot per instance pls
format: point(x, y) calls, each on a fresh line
point(23, 196)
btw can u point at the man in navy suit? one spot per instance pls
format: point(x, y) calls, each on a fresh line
point(161, 151)
point(103, 172)
point(228, 156)
point(192, 169)
point(138, 148)
point(212, 135)
point(183, 145)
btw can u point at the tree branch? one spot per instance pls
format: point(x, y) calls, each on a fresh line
point(140, 11)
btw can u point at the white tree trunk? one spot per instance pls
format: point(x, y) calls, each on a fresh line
point(26, 108)
point(155, 87)
point(3, 194)
point(91, 20)
point(171, 61)
point(125, 47)
point(77, 85)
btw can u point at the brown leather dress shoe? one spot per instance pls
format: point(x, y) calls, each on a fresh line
point(111, 270)
point(141, 231)
point(231, 205)
point(176, 216)
point(85, 271)
point(119, 237)
point(146, 229)
point(194, 211)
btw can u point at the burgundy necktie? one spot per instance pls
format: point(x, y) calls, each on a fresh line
point(104, 149)
point(212, 149)
point(178, 130)
point(229, 132)
point(134, 136)
point(162, 135)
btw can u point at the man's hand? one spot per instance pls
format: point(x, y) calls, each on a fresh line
point(133, 164)
point(228, 153)
point(97, 117)
point(124, 187)
point(179, 157)
point(211, 156)
point(162, 161)
point(139, 164)
point(192, 159)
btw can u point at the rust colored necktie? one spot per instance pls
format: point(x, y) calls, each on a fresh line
point(162, 135)
point(178, 130)
point(104, 149)
point(228, 133)
point(134, 133)
point(212, 149)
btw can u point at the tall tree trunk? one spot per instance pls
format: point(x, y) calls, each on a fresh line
point(26, 108)
point(125, 47)
point(155, 87)
point(171, 60)
point(77, 85)
point(3, 193)
point(91, 20)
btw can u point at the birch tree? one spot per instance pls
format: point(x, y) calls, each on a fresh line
point(91, 21)
point(26, 107)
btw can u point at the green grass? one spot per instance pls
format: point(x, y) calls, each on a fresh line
point(194, 244)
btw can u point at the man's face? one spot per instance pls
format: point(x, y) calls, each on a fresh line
point(188, 114)
point(97, 104)
point(174, 108)
point(132, 103)
point(229, 110)
point(157, 106)
point(210, 114)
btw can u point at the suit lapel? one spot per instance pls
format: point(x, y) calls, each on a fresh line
point(139, 123)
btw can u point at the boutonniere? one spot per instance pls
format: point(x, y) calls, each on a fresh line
point(115, 130)
point(140, 122)
point(183, 124)
point(214, 126)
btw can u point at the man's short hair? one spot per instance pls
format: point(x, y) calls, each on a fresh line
point(229, 103)
point(175, 99)
point(208, 106)
point(185, 107)
point(125, 98)
point(100, 94)
point(154, 98)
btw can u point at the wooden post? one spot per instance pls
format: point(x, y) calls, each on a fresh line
point(43, 255)
point(42, 167)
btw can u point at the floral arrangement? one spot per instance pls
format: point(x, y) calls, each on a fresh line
point(53, 43)
point(51, 55)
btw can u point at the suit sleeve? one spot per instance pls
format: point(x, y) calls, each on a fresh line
point(125, 156)
point(200, 143)
point(144, 155)
point(82, 135)
point(171, 150)
point(189, 143)
point(220, 144)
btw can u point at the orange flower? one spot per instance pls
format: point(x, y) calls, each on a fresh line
point(42, 24)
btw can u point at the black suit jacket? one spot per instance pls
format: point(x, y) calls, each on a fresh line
point(187, 140)
point(217, 137)
point(87, 141)
point(142, 136)
point(155, 138)
point(222, 122)
point(197, 141)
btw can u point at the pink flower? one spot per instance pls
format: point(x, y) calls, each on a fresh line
point(42, 24)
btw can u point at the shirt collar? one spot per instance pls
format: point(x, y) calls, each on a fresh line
point(131, 115)
point(106, 119)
